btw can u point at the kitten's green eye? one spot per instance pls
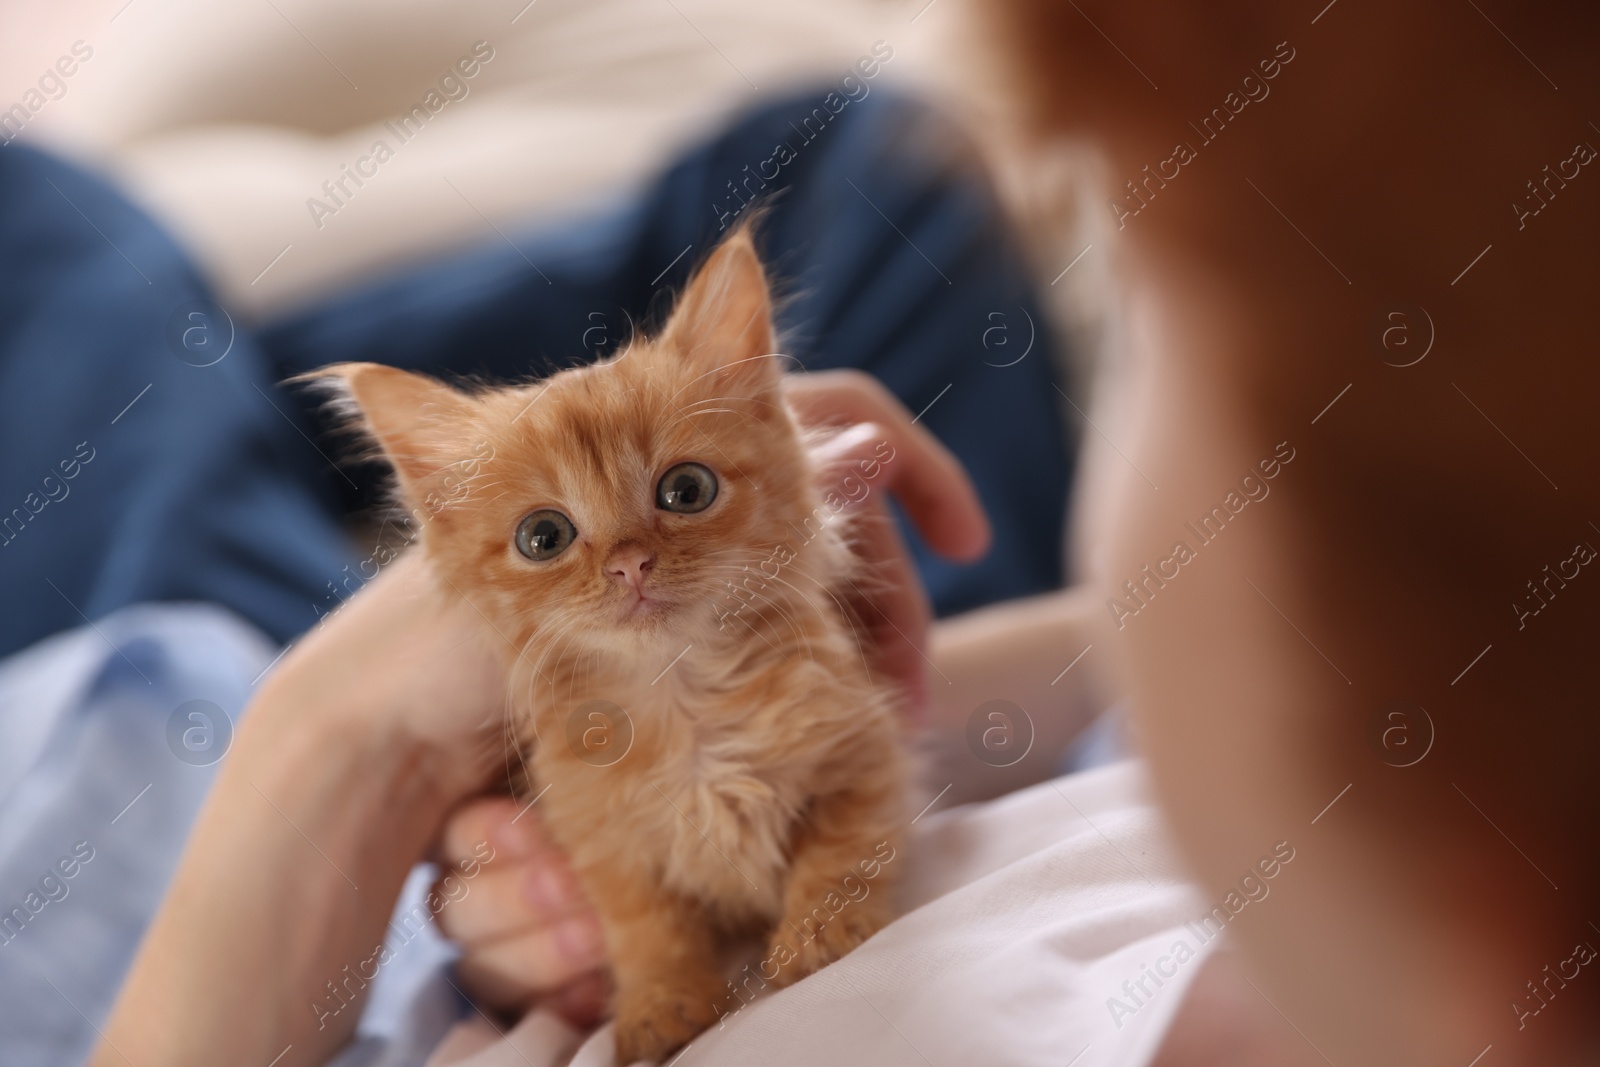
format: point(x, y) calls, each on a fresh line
point(545, 535)
point(686, 488)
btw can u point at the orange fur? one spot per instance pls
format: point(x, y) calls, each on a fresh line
point(766, 764)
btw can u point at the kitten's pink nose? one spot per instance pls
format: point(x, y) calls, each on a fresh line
point(629, 564)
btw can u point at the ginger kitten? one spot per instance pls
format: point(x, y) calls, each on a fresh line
point(602, 521)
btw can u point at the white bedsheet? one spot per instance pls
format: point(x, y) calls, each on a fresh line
point(1026, 916)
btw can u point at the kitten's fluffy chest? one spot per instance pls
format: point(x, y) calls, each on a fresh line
point(700, 792)
point(734, 800)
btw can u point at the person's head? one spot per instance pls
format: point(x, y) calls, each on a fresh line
point(1360, 237)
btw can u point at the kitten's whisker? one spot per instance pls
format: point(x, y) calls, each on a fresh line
point(512, 703)
point(729, 588)
point(758, 633)
point(851, 618)
point(818, 608)
point(793, 625)
point(554, 619)
point(717, 399)
point(727, 366)
point(697, 408)
point(586, 667)
point(800, 595)
point(512, 740)
point(555, 644)
point(899, 631)
point(558, 650)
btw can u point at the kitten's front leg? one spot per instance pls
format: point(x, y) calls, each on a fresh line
point(665, 958)
point(840, 881)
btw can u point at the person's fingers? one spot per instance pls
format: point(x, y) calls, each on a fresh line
point(583, 1003)
point(513, 898)
point(523, 923)
point(468, 829)
point(839, 455)
point(509, 827)
point(927, 478)
point(510, 972)
point(887, 596)
point(890, 602)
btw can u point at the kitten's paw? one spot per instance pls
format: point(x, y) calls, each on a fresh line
point(842, 934)
point(653, 1024)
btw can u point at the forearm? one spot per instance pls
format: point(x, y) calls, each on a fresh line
point(290, 876)
point(1015, 651)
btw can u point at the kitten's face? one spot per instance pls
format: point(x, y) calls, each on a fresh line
point(623, 500)
point(611, 505)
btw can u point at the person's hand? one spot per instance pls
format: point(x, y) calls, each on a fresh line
point(525, 930)
point(879, 446)
point(367, 733)
point(407, 660)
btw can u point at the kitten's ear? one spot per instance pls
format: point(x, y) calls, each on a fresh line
point(422, 425)
point(722, 326)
